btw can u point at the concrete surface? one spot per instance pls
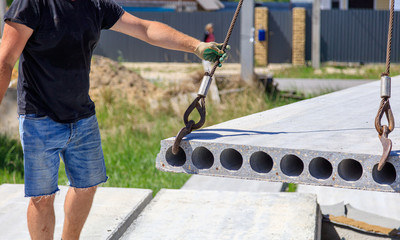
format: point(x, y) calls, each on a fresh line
point(199, 182)
point(317, 86)
point(328, 140)
point(112, 212)
point(210, 215)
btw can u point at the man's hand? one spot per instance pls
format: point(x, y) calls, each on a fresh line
point(211, 51)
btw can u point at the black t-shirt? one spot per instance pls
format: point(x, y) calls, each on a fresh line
point(55, 64)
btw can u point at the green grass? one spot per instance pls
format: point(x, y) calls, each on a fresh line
point(131, 138)
point(11, 160)
point(336, 72)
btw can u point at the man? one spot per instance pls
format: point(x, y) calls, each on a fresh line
point(54, 40)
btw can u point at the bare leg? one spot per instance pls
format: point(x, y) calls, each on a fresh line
point(41, 217)
point(76, 208)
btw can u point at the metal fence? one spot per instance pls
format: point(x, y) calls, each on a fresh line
point(120, 47)
point(279, 36)
point(357, 36)
point(346, 36)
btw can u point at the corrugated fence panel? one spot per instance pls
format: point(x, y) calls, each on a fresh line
point(280, 37)
point(346, 36)
point(120, 47)
point(357, 36)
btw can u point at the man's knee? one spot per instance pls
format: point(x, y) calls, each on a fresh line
point(85, 191)
point(42, 202)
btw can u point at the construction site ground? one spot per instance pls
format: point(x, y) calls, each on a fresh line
point(122, 213)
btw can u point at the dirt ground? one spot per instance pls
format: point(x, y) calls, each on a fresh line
point(138, 82)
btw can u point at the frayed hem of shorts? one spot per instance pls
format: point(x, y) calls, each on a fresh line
point(43, 195)
point(94, 185)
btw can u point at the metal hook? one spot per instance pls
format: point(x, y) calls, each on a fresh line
point(190, 124)
point(181, 134)
point(387, 147)
point(384, 130)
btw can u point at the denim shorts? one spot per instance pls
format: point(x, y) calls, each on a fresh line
point(45, 142)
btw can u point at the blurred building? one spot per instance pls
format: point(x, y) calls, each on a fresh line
point(353, 4)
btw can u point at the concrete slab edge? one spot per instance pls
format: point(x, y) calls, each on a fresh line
point(125, 223)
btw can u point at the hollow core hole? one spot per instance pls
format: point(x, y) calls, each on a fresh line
point(292, 165)
point(175, 160)
point(261, 162)
point(202, 158)
point(350, 170)
point(320, 168)
point(385, 176)
point(231, 159)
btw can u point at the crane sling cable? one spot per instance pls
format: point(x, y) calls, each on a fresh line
point(199, 101)
point(384, 108)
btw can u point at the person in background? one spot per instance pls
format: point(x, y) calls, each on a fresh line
point(209, 33)
point(54, 42)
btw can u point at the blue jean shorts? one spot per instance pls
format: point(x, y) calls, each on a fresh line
point(45, 142)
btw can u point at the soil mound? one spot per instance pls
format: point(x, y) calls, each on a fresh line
point(111, 80)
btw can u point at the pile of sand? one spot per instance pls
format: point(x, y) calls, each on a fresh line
point(110, 80)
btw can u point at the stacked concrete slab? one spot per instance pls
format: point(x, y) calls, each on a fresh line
point(188, 214)
point(112, 212)
point(329, 140)
point(121, 213)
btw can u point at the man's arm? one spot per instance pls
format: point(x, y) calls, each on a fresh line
point(14, 39)
point(155, 33)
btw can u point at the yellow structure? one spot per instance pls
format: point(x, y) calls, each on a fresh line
point(261, 47)
point(299, 36)
point(382, 4)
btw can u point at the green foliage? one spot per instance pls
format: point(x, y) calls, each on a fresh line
point(11, 160)
point(336, 72)
point(120, 57)
point(292, 187)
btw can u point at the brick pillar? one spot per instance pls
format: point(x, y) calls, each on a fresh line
point(299, 36)
point(261, 48)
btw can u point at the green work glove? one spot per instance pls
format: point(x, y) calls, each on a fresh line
point(211, 51)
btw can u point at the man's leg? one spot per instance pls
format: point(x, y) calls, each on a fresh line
point(85, 168)
point(41, 218)
point(41, 140)
point(76, 208)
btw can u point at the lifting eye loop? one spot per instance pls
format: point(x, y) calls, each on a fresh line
point(200, 105)
point(384, 108)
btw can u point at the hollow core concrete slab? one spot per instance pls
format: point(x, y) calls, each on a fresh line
point(328, 140)
point(210, 215)
point(113, 210)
